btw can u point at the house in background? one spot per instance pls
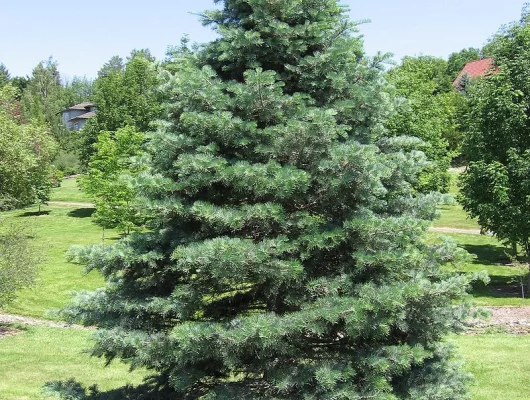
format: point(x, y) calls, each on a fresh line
point(474, 69)
point(76, 116)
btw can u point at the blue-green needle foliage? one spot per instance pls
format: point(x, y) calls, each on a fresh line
point(285, 256)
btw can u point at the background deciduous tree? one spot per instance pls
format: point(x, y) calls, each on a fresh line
point(5, 76)
point(114, 165)
point(26, 153)
point(496, 185)
point(43, 99)
point(78, 90)
point(18, 261)
point(430, 111)
point(458, 60)
point(124, 97)
point(114, 65)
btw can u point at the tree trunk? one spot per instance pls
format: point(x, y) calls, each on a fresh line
point(514, 249)
point(527, 253)
point(527, 282)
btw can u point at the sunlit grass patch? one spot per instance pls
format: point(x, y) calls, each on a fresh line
point(55, 230)
point(40, 354)
point(499, 364)
point(69, 191)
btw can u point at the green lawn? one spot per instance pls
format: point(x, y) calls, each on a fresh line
point(455, 217)
point(499, 363)
point(69, 191)
point(56, 229)
point(59, 278)
point(40, 354)
point(453, 185)
point(489, 255)
point(43, 354)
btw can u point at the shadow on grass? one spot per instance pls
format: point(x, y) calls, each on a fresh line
point(501, 285)
point(33, 214)
point(82, 213)
point(72, 390)
point(116, 237)
point(487, 253)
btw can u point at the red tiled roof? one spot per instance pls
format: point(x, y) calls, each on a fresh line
point(84, 116)
point(475, 69)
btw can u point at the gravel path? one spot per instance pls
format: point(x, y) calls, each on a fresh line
point(441, 229)
point(515, 320)
point(22, 320)
point(71, 204)
point(446, 229)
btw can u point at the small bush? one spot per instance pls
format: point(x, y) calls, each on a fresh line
point(18, 261)
point(67, 162)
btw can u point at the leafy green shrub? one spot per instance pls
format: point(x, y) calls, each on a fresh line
point(67, 162)
point(18, 261)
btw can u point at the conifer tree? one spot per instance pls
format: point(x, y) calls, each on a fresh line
point(5, 76)
point(285, 257)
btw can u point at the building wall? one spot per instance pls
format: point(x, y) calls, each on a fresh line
point(80, 124)
point(69, 114)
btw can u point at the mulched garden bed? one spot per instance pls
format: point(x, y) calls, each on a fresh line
point(8, 331)
point(514, 320)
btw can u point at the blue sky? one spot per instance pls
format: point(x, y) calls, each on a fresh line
point(82, 36)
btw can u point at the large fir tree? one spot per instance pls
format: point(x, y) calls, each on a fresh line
point(285, 257)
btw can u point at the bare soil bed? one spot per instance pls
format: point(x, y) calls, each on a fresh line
point(8, 331)
point(9, 319)
point(514, 320)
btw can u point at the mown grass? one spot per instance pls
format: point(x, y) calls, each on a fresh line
point(69, 191)
point(499, 363)
point(488, 254)
point(41, 354)
point(55, 230)
point(453, 184)
point(454, 216)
